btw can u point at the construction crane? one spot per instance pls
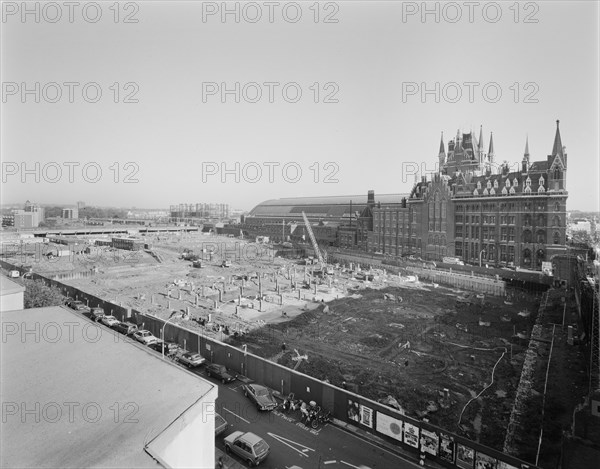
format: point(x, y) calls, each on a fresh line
point(314, 241)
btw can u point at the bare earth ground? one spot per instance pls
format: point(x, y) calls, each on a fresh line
point(390, 337)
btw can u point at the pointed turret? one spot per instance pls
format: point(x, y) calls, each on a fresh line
point(441, 154)
point(525, 160)
point(557, 149)
point(491, 153)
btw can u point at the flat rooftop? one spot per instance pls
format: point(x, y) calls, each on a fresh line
point(78, 395)
point(7, 286)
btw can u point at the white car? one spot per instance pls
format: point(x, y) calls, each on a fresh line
point(109, 321)
point(145, 337)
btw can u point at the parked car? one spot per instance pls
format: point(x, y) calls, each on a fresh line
point(79, 306)
point(97, 314)
point(220, 372)
point(109, 321)
point(226, 264)
point(126, 328)
point(145, 337)
point(170, 348)
point(250, 447)
point(260, 395)
point(220, 424)
point(191, 359)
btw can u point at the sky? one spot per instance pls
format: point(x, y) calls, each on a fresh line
point(152, 104)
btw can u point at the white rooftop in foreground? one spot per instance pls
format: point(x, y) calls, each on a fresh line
point(77, 395)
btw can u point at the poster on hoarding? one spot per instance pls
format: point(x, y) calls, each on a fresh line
point(353, 410)
point(465, 456)
point(505, 465)
point(447, 448)
point(483, 461)
point(429, 442)
point(411, 435)
point(389, 426)
point(366, 416)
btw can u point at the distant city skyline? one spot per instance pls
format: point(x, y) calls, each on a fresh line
point(366, 116)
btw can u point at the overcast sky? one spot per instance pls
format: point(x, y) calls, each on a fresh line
point(365, 63)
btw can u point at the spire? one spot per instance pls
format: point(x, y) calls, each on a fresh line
point(442, 149)
point(491, 150)
point(525, 161)
point(480, 145)
point(557, 149)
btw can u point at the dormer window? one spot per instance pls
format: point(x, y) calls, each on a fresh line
point(475, 192)
point(495, 183)
point(492, 192)
point(504, 191)
point(541, 189)
point(485, 191)
point(515, 182)
point(507, 184)
point(527, 189)
point(478, 184)
point(541, 181)
point(528, 182)
point(512, 190)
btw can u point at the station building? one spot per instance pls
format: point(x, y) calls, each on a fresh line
point(472, 209)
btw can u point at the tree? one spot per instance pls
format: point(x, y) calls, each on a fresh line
point(38, 295)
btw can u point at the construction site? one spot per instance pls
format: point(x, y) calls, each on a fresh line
point(449, 356)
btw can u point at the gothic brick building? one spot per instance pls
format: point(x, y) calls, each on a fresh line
point(478, 211)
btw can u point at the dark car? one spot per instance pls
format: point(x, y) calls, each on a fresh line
point(260, 395)
point(126, 328)
point(170, 348)
point(79, 306)
point(220, 372)
point(97, 314)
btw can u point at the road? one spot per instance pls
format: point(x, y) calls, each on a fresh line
point(293, 443)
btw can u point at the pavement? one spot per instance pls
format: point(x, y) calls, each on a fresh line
point(375, 440)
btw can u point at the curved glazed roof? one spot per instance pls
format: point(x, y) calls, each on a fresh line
point(325, 207)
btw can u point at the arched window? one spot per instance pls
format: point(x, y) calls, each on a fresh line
point(527, 236)
point(556, 238)
point(557, 174)
point(556, 207)
point(540, 256)
point(526, 257)
point(540, 237)
point(555, 220)
point(527, 220)
point(444, 203)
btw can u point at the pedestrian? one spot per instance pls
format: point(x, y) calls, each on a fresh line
point(283, 347)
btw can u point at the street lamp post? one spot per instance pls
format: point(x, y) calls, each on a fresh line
point(162, 335)
point(480, 253)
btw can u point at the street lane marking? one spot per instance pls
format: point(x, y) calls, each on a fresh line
point(241, 418)
point(348, 464)
point(330, 462)
point(287, 442)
